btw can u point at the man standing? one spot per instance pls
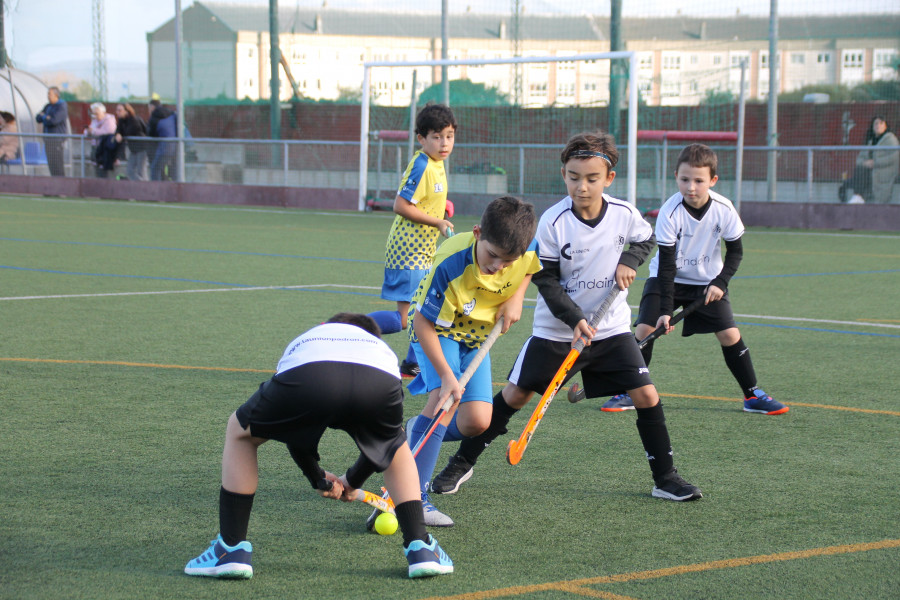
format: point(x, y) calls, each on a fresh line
point(55, 118)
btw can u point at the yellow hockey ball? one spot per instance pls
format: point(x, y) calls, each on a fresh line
point(386, 524)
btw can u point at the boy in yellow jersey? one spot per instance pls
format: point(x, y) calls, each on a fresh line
point(477, 278)
point(420, 206)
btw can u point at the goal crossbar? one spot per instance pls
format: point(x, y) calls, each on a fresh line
point(632, 104)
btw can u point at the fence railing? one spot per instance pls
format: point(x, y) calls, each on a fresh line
point(804, 173)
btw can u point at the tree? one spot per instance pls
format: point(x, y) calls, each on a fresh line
point(717, 97)
point(464, 92)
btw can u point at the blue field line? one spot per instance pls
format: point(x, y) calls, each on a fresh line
point(819, 329)
point(201, 250)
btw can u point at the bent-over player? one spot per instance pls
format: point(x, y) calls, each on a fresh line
point(338, 375)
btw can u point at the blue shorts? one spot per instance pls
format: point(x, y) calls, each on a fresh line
point(400, 285)
point(479, 389)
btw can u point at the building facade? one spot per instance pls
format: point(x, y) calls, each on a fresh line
point(681, 60)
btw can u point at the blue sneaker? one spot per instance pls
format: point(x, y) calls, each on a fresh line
point(434, 517)
point(427, 559)
point(763, 403)
point(225, 562)
point(617, 403)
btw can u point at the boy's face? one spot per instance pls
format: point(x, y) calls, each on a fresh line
point(694, 184)
point(438, 144)
point(586, 178)
point(489, 257)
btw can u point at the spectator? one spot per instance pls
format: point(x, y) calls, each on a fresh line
point(9, 144)
point(131, 125)
point(55, 119)
point(102, 131)
point(875, 172)
point(162, 124)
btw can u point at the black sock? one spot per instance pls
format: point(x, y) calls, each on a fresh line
point(651, 424)
point(647, 352)
point(234, 516)
point(412, 521)
point(472, 447)
point(737, 357)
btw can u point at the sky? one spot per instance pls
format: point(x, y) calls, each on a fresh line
point(42, 33)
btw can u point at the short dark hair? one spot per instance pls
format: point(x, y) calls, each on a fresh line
point(597, 141)
point(155, 103)
point(698, 156)
point(360, 320)
point(434, 117)
point(510, 224)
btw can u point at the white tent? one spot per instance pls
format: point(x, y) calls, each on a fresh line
point(23, 95)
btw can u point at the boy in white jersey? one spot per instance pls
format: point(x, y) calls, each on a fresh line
point(477, 278)
point(581, 242)
point(690, 229)
point(338, 375)
point(420, 205)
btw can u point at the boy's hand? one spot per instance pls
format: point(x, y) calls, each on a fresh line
point(510, 312)
point(584, 331)
point(449, 387)
point(624, 276)
point(336, 489)
point(446, 228)
point(349, 493)
point(714, 293)
point(663, 321)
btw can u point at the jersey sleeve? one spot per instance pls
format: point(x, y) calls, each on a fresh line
point(411, 187)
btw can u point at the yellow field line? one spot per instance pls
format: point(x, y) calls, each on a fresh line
point(576, 586)
point(892, 413)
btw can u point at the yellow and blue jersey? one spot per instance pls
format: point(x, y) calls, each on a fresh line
point(412, 245)
point(462, 301)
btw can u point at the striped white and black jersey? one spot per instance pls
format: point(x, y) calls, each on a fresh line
point(587, 256)
point(697, 242)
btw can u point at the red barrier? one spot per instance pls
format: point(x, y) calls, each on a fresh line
point(659, 135)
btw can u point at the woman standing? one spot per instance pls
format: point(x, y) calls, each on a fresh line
point(876, 170)
point(131, 125)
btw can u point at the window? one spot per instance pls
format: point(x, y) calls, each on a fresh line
point(853, 59)
point(671, 62)
point(823, 58)
point(694, 59)
point(717, 59)
point(798, 58)
point(885, 58)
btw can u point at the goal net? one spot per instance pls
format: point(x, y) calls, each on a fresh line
point(514, 114)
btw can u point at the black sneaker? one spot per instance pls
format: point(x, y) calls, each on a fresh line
point(457, 471)
point(672, 486)
point(409, 369)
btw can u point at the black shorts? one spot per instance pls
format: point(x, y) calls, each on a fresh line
point(709, 318)
point(608, 367)
point(296, 406)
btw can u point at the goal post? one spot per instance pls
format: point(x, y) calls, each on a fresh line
point(633, 94)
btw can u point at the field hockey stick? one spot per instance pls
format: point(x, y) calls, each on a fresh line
point(463, 380)
point(448, 402)
point(383, 504)
point(516, 448)
point(662, 329)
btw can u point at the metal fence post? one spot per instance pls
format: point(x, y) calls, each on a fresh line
point(82, 157)
point(809, 175)
point(285, 153)
point(521, 171)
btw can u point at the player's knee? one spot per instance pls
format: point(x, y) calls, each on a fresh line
point(644, 397)
point(515, 396)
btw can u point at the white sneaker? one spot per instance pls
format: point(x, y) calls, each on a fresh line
point(434, 517)
point(856, 199)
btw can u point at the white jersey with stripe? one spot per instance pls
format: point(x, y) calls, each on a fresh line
point(587, 257)
point(698, 244)
point(339, 342)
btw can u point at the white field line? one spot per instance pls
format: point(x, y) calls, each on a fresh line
point(162, 292)
point(370, 287)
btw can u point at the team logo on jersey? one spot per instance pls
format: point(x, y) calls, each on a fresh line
point(575, 283)
point(566, 251)
point(468, 307)
point(438, 187)
point(620, 242)
point(718, 229)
